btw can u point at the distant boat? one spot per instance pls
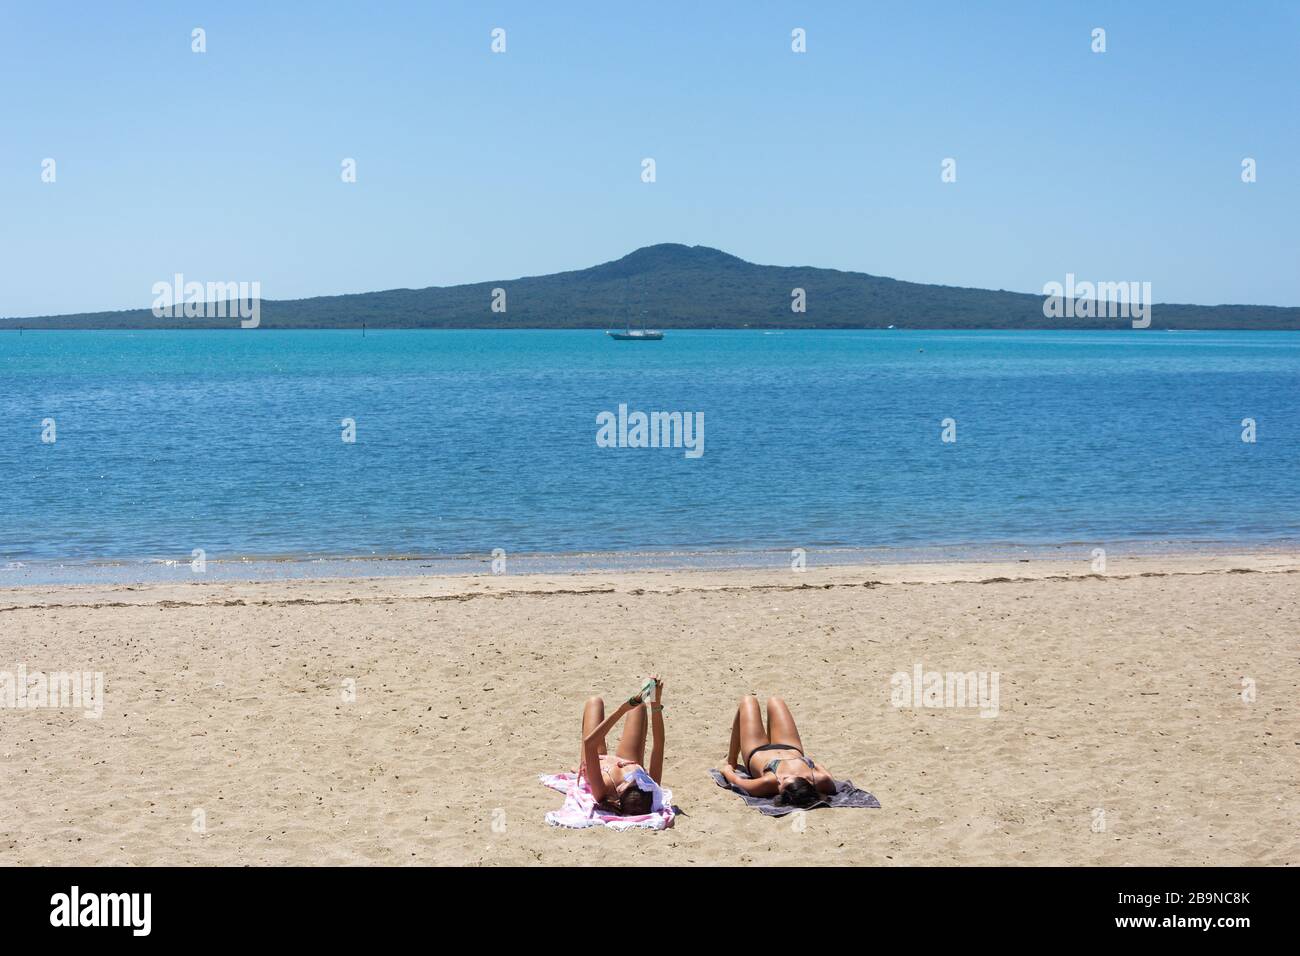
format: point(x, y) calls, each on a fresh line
point(635, 335)
point(630, 334)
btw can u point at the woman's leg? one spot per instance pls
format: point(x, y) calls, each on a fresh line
point(750, 718)
point(593, 715)
point(631, 743)
point(780, 724)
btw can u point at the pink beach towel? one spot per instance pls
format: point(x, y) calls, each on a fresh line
point(580, 810)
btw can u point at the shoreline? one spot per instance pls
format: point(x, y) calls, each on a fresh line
point(638, 581)
point(16, 574)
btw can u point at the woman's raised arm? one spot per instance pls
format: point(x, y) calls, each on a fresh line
point(656, 767)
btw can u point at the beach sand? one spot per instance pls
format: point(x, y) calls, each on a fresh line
point(1121, 736)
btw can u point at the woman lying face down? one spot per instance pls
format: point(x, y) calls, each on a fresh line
point(774, 757)
point(624, 782)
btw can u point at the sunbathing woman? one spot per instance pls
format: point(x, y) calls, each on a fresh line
point(623, 782)
point(774, 757)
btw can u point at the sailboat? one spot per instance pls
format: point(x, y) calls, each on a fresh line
point(635, 335)
point(630, 334)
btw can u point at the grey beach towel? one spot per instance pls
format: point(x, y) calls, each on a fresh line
point(845, 795)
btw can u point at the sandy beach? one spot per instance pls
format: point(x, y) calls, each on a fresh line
point(1150, 715)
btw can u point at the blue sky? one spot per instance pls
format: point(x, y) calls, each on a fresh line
point(474, 166)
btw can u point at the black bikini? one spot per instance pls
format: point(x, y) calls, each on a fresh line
point(773, 747)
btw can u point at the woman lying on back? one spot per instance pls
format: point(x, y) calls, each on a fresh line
point(623, 782)
point(774, 756)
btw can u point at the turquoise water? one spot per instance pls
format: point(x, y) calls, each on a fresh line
point(469, 441)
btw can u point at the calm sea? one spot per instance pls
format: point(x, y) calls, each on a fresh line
point(469, 441)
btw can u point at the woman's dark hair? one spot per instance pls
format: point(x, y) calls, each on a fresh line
point(799, 792)
point(635, 801)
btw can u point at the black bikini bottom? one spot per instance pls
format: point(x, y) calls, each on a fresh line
point(770, 747)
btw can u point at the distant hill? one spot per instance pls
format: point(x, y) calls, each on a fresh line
point(682, 287)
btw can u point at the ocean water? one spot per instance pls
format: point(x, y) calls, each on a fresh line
point(467, 441)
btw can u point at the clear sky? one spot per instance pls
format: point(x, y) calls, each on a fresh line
point(474, 166)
